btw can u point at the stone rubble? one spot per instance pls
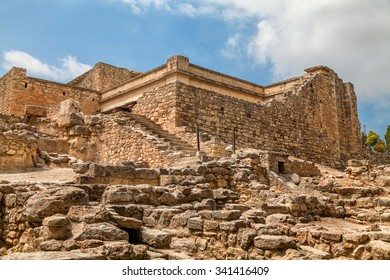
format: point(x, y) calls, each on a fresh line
point(210, 211)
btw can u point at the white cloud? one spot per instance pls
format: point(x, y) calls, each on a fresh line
point(141, 6)
point(188, 10)
point(233, 46)
point(350, 36)
point(68, 69)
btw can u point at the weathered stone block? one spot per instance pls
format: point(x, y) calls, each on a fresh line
point(57, 220)
point(233, 226)
point(88, 214)
point(296, 178)
point(210, 225)
point(195, 224)
point(34, 110)
point(356, 238)
point(385, 217)
point(316, 254)
point(69, 106)
point(274, 242)
point(51, 245)
point(58, 233)
point(118, 195)
point(180, 220)
point(187, 246)
point(53, 201)
point(167, 198)
point(71, 119)
point(331, 236)
point(11, 152)
point(122, 251)
point(227, 215)
point(99, 231)
point(224, 194)
point(384, 201)
point(206, 204)
point(246, 237)
point(79, 130)
point(273, 208)
point(380, 250)
point(155, 237)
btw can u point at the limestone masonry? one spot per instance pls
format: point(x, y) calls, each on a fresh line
point(312, 117)
point(183, 162)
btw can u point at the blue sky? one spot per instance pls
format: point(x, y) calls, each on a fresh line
point(260, 41)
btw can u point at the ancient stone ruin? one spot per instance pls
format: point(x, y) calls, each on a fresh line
point(183, 162)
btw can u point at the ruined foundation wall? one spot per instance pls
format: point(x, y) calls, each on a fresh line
point(18, 144)
point(117, 142)
point(119, 139)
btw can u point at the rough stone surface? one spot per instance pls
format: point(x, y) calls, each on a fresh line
point(271, 242)
point(100, 231)
point(88, 214)
point(380, 250)
point(52, 201)
point(142, 191)
point(155, 237)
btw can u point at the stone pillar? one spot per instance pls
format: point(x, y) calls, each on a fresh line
point(177, 62)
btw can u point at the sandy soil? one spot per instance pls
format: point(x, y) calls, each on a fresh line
point(54, 175)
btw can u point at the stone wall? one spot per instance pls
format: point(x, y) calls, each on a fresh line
point(24, 90)
point(18, 144)
point(280, 163)
point(159, 105)
point(118, 139)
point(375, 157)
point(5, 91)
point(222, 209)
point(103, 77)
point(312, 117)
point(117, 142)
point(114, 174)
point(302, 124)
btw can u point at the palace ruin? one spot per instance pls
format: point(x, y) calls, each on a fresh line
point(185, 162)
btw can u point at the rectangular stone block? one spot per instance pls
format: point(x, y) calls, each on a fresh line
point(155, 237)
point(227, 215)
point(195, 224)
point(274, 242)
point(33, 110)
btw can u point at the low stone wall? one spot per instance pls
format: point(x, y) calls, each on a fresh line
point(18, 144)
point(113, 174)
point(222, 209)
point(116, 141)
point(375, 157)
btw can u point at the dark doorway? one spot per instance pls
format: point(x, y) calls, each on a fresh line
point(281, 168)
point(134, 235)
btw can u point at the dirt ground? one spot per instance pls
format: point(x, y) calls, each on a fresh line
point(53, 175)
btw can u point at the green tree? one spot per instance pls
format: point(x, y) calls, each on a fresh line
point(372, 138)
point(387, 138)
point(380, 146)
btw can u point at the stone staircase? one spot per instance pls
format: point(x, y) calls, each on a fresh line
point(185, 153)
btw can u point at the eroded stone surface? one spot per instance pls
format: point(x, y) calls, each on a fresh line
point(52, 201)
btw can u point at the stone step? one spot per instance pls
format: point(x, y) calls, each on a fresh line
point(186, 161)
point(169, 142)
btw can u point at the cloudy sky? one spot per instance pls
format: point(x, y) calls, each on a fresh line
point(261, 41)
